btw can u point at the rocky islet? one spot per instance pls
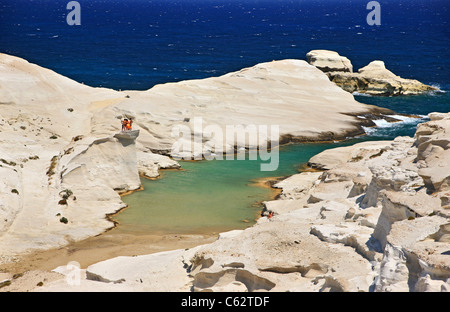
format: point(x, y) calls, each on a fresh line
point(373, 79)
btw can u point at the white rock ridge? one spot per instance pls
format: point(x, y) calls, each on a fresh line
point(59, 178)
point(62, 165)
point(367, 222)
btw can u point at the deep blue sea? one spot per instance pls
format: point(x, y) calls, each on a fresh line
point(136, 44)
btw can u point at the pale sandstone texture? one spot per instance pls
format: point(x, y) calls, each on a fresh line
point(370, 221)
point(329, 61)
point(373, 79)
point(63, 164)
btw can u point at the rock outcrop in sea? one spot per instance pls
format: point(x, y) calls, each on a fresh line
point(374, 216)
point(373, 79)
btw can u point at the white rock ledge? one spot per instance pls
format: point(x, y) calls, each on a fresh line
point(67, 143)
point(391, 234)
point(338, 230)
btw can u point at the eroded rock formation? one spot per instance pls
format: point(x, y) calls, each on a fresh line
point(369, 220)
point(57, 134)
point(373, 79)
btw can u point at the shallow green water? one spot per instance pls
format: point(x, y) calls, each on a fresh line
point(209, 196)
point(217, 195)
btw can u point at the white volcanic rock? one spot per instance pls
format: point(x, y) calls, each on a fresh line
point(415, 222)
point(334, 158)
point(46, 148)
point(64, 138)
point(109, 162)
point(57, 134)
point(142, 271)
point(129, 274)
point(279, 93)
point(406, 247)
point(150, 164)
point(67, 197)
point(433, 144)
point(396, 241)
point(328, 61)
point(296, 186)
point(373, 79)
point(381, 81)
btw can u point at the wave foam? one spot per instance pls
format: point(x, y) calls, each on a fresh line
point(384, 124)
point(437, 86)
point(361, 94)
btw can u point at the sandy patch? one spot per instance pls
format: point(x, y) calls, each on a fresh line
point(34, 270)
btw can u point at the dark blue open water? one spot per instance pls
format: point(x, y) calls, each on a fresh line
point(136, 44)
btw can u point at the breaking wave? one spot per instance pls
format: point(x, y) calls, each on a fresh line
point(388, 128)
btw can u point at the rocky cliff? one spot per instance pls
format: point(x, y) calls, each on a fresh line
point(59, 178)
point(373, 79)
point(58, 141)
point(66, 196)
point(374, 216)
